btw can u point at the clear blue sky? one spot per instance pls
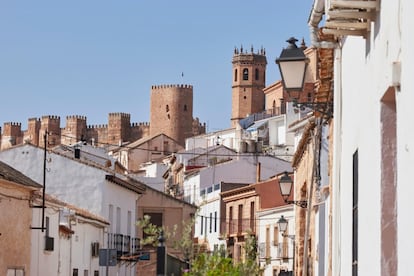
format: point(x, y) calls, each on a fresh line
point(94, 57)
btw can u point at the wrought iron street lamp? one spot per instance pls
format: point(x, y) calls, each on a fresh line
point(282, 224)
point(292, 66)
point(285, 185)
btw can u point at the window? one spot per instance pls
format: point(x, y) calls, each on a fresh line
point(118, 220)
point(15, 272)
point(210, 189)
point(47, 222)
point(167, 108)
point(275, 235)
point(185, 107)
point(355, 214)
point(245, 74)
point(96, 273)
point(49, 241)
point(231, 220)
point(267, 250)
point(205, 225)
point(155, 218)
point(85, 272)
point(256, 74)
point(211, 222)
point(285, 247)
point(129, 218)
point(240, 219)
point(252, 211)
point(216, 187)
point(282, 106)
point(202, 225)
point(235, 75)
point(111, 217)
point(75, 272)
point(215, 221)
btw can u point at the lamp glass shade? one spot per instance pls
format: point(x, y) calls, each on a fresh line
point(293, 74)
point(285, 185)
point(285, 188)
point(282, 223)
point(292, 65)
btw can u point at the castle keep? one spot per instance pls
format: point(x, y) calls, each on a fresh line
point(171, 114)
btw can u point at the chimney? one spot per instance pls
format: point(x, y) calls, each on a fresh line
point(77, 151)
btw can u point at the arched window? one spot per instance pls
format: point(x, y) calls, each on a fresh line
point(185, 107)
point(167, 108)
point(235, 75)
point(245, 74)
point(256, 74)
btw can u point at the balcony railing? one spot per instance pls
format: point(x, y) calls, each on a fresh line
point(240, 226)
point(123, 244)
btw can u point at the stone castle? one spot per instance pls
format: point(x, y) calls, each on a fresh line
point(171, 113)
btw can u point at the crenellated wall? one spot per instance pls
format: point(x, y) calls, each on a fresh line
point(12, 135)
point(171, 114)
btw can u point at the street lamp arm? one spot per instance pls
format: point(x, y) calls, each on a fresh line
point(292, 237)
point(325, 108)
point(300, 203)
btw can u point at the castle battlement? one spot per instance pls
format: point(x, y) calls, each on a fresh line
point(97, 126)
point(33, 119)
point(76, 117)
point(120, 115)
point(166, 86)
point(51, 117)
point(12, 124)
point(140, 124)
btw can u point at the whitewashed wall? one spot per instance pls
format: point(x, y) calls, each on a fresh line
point(366, 75)
point(268, 219)
point(81, 185)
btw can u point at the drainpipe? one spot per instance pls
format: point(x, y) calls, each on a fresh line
point(318, 9)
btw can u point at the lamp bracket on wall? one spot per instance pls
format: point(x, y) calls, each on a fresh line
point(324, 108)
point(300, 203)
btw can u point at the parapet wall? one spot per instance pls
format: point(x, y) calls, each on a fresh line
point(168, 86)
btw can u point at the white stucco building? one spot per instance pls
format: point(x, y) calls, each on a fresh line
point(69, 244)
point(203, 187)
point(88, 186)
point(373, 135)
point(276, 249)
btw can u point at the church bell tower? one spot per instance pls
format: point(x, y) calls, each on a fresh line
point(249, 80)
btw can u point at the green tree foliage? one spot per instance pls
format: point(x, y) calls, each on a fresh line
point(216, 264)
point(182, 243)
point(151, 231)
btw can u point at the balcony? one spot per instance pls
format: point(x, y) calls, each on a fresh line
point(124, 244)
point(240, 227)
point(350, 17)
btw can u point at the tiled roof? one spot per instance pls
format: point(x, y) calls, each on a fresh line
point(10, 174)
point(78, 211)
